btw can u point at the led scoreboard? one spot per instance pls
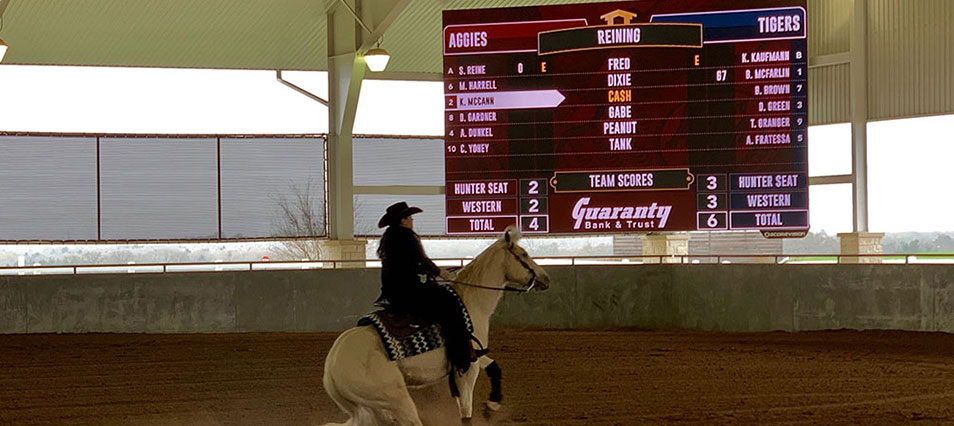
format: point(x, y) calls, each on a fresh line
point(636, 116)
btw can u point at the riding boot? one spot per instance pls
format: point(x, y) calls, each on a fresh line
point(460, 353)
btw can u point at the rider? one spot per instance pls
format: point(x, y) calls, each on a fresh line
point(408, 284)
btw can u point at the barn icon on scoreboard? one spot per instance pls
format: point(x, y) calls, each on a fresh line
point(626, 17)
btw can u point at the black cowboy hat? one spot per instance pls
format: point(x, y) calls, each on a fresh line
point(396, 212)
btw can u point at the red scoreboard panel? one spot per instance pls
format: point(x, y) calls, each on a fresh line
point(635, 116)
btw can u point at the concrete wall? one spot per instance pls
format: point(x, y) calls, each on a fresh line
point(709, 297)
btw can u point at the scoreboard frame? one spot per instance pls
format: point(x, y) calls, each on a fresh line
point(702, 89)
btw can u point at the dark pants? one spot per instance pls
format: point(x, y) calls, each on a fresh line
point(432, 303)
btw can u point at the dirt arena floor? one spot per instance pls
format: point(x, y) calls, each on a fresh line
point(615, 377)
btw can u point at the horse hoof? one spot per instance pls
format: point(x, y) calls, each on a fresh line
point(465, 420)
point(490, 408)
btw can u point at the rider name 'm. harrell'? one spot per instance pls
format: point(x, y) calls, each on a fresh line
point(605, 214)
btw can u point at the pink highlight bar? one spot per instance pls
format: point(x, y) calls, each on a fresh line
point(519, 99)
point(733, 225)
point(479, 225)
point(482, 188)
point(500, 37)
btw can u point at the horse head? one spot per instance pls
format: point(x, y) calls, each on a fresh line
point(519, 267)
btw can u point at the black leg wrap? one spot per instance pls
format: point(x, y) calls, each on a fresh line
point(495, 374)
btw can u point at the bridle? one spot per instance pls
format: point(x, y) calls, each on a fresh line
point(533, 279)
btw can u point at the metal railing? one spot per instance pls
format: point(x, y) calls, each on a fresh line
point(252, 266)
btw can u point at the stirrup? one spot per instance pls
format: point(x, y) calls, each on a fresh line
point(481, 350)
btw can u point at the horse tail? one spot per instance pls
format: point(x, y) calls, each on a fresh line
point(358, 414)
point(339, 399)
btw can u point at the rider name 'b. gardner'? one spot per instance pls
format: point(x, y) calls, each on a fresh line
point(653, 211)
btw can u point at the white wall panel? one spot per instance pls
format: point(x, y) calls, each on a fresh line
point(828, 94)
point(910, 58)
point(829, 25)
point(47, 188)
point(259, 173)
point(398, 161)
point(155, 188)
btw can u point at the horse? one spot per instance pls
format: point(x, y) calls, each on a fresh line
point(373, 390)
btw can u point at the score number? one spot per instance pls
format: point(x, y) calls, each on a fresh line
point(711, 221)
point(711, 201)
point(534, 206)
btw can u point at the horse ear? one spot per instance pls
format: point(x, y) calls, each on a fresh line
point(511, 235)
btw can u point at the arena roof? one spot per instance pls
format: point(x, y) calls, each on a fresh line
point(248, 34)
point(910, 68)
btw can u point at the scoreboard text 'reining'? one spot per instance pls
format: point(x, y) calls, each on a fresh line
point(636, 116)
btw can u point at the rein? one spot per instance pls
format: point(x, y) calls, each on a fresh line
point(488, 287)
point(533, 279)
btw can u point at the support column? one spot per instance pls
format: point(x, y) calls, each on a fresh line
point(859, 115)
point(665, 245)
point(861, 243)
point(345, 75)
point(348, 39)
point(345, 250)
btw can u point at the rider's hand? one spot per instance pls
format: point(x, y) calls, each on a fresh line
point(445, 275)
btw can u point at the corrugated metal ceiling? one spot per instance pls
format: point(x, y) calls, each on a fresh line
point(247, 34)
point(910, 73)
point(414, 39)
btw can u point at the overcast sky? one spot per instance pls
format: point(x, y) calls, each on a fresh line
point(909, 160)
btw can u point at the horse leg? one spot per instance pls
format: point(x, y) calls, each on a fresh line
point(366, 384)
point(496, 386)
point(466, 385)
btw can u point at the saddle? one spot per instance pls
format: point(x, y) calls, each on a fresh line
point(405, 335)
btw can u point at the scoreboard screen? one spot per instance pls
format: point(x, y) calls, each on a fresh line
point(638, 116)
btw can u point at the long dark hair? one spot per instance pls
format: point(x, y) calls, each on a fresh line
point(381, 244)
point(382, 253)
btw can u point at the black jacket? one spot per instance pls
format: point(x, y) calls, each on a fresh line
point(403, 262)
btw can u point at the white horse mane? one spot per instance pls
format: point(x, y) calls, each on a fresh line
point(477, 266)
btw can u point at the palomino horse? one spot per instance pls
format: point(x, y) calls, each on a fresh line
point(373, 390)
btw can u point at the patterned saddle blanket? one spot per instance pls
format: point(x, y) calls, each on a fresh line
point(405, 336)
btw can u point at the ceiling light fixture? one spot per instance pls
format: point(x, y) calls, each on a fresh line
point(377, 59)
point(3, 46)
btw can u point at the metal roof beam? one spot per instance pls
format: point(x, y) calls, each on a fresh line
point(293, 86)
point(347, 41)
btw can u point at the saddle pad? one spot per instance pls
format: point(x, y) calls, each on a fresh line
point(405, 336)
